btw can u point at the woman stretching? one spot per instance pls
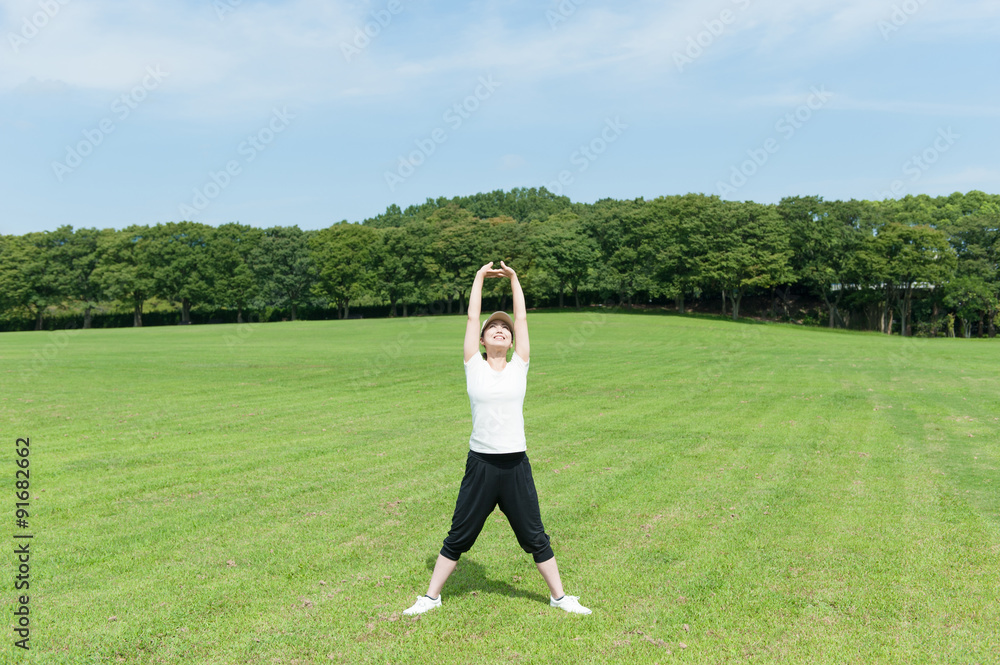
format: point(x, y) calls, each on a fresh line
point(497, 472)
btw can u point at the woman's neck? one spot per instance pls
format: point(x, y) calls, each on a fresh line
point(497, 362)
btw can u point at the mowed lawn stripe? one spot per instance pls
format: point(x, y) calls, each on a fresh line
point(278, 492)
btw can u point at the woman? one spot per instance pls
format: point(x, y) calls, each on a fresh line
point(497, 471)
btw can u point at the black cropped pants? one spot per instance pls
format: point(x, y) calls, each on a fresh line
point(491, 481)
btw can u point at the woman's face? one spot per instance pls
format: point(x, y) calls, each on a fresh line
point(497, 333)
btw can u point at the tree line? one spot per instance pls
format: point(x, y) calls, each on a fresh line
point(917, 265)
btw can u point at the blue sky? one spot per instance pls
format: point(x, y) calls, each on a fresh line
point(310, 112)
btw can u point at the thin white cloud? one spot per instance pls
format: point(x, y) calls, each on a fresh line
point(845, 102)
point(909, 107)
point(102, 45)
point(511, 162)
point(271, 53)
point(986, 178)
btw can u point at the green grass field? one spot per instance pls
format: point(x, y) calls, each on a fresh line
point(715, 491)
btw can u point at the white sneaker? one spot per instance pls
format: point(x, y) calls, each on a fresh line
point(568, 603)
point(425, 603)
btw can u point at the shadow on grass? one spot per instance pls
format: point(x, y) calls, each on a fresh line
point(470, 577)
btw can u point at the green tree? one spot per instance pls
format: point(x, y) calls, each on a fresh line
point(564, 251)
point(179, 253)
point(916, 259)
point(746, 249)
point(78, 256)
point(505, 240)
point(974, 235)
point(678, 227)
point(458, 241)
point(283, 265)
point(520, 204)
point(31, 276)
point(6, 264)
point(970, 297)
point(823, 236)
point(627, 255)
point(231, 250)
point(344, 256)
point(26, 278)
point(392, 218)
point(393, 259)
point(125, 268)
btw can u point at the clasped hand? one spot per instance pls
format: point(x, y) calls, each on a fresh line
point(504, 271)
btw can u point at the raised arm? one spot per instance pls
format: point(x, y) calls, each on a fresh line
point(475, 307)
point(522, 346)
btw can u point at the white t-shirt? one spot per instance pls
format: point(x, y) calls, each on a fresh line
point(497, 400)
